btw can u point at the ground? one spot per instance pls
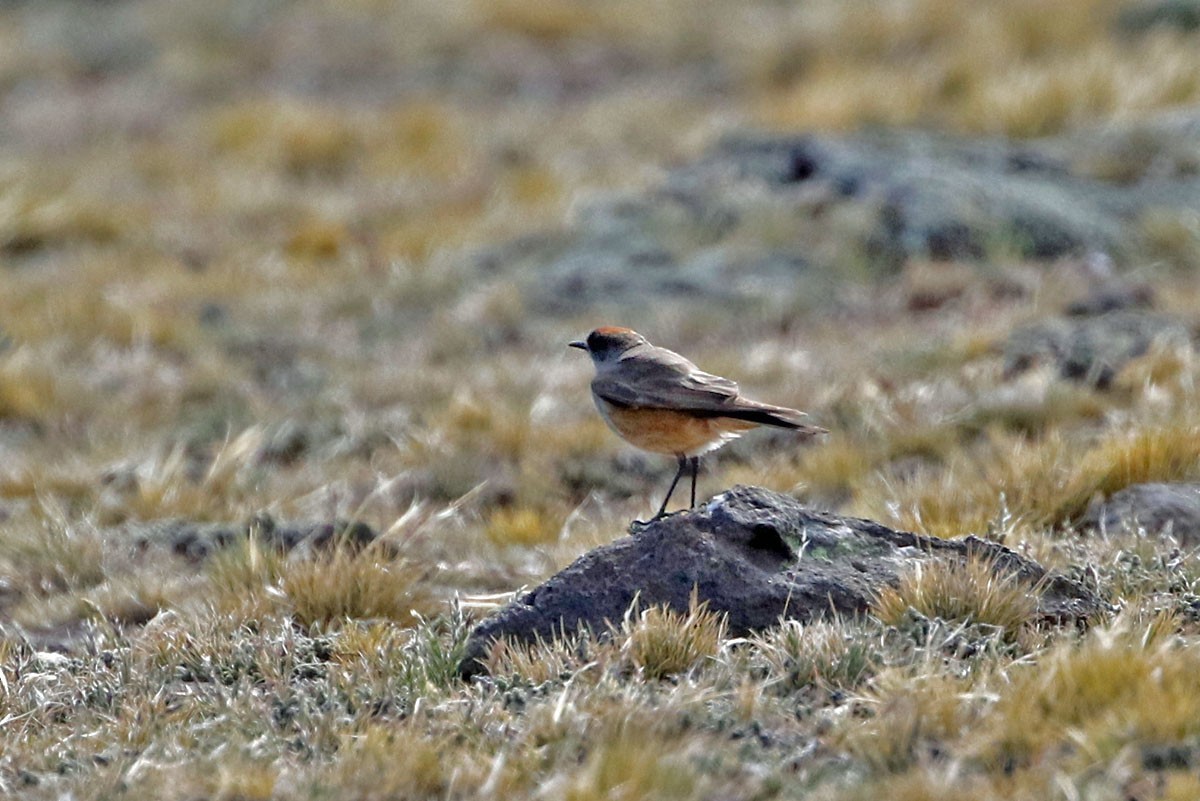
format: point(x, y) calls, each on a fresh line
point(247, 258)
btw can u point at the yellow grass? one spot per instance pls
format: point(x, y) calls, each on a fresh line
point(977, 591)
point(328, 590)
point(659, 642)
point(221, 219)
point(1046, 483)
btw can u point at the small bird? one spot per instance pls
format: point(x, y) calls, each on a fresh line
point(659, 401)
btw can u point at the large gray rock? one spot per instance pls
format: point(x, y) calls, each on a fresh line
point(764, 219)
point(1157, 509)
point(756, 556)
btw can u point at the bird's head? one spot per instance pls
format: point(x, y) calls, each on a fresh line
point(609, 342)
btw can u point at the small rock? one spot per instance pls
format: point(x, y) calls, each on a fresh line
point(313, 537)
point(284, 444)
point(198, 541)
point(1090, 349)
point(1157, 508)
point(1112, 297)
point(50, 660)
point(756, 556)
point(1180, 15)
point(192, 540)
point(213, 314)
point(1174, 757)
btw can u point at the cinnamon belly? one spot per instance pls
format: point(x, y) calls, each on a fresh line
point(666, 431)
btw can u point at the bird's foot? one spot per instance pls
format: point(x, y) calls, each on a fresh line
point(638, 525)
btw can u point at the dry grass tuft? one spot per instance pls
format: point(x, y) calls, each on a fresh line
point(909, 717)
point(540, 661)
point(49, 556)
point(659, 642)
point(521, 525)
point(322, 590)
point(1118, 686)
point(977, 591)
point(628, 763)
point(822, 652)
point(391, 762)
point(134, 599)
point(1160, 453)
point(297, 138)
point(1172, 236)
point(1043, 483)
point(176, 486)
point(327, 590)
point(317, 239)
point(994, 66)
point(550, 21)
point(245, 576)
point(1165, 373)
point(834, 469)
point(29, 386)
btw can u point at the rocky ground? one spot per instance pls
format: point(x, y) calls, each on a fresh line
point(759, 559)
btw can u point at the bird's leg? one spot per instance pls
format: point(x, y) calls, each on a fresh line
point(695, 469)
point(662, 510)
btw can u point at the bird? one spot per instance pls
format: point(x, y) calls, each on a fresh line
point(658, 401)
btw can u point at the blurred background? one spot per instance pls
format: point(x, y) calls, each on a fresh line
point(270, 266)
point(323, 259)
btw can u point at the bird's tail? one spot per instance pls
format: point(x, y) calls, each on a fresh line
point(776, 416)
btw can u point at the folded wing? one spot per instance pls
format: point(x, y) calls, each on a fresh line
point(660, 379)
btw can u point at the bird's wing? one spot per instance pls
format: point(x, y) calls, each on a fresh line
point(662, 379)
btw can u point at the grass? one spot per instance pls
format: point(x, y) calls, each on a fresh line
point(975, 592)
point(660, 642)
point(1107, 692)
point(988, 66)
point(823, 653)
point(1049, 482)
point(52, 555)
point(653, 643)
point(356, 586)
point(240, 249)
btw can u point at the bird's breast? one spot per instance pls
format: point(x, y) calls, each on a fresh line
point(669, 431)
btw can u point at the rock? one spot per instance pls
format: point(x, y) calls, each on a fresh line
point(284, 443)
point(935, 196)
point(1158, 509)
point(756, 556)
point(311, 537)
point(278, 363)
point(1090, 349)
point(197, 541)
point(1112, 297)
point(768, 219)
point(192, 540)
point(1180, 15)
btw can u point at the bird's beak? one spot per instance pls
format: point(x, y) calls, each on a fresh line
point(579, 343)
